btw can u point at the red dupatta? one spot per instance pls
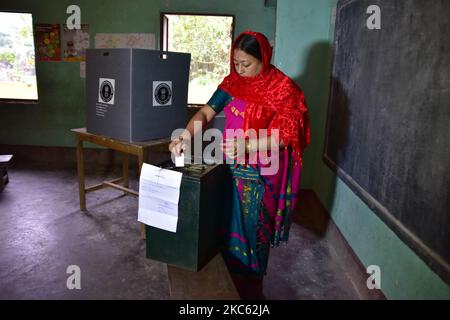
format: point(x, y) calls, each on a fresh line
point(274, 100)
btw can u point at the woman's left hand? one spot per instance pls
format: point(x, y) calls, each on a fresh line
point(231, 150)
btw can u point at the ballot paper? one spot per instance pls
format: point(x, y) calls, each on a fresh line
point(179, 161)
point(159, 194)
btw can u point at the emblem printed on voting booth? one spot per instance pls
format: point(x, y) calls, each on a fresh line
point(162, 93)
point(106, 90)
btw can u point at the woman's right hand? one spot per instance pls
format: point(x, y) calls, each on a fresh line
point(177, 146)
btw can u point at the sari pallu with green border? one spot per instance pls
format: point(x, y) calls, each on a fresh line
point(259, 214)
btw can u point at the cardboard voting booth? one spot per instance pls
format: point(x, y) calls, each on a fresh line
point(136, 94)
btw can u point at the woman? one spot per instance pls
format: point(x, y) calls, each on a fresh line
point(256, 95)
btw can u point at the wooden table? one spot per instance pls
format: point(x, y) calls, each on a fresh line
point(139, 149)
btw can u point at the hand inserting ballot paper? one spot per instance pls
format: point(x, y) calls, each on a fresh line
point(179, 161)
point(177, 148)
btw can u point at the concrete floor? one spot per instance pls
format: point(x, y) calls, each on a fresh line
point(42, 232)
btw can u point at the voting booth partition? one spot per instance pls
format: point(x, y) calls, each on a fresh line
point(136, 94)
point(200, 220)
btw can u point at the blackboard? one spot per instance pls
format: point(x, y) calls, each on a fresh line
point(388, 126)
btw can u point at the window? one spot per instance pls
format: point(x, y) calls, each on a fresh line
point(17, 60)
point(208, 38)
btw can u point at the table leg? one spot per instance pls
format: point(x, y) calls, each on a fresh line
point(80, 167)
point(125, 169)
point(142, 154)
point(142, 157)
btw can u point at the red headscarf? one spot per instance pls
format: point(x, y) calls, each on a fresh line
point(274, 100)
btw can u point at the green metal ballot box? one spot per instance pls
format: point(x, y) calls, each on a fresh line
point(200, 216)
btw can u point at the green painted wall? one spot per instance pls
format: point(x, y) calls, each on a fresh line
point(303, 51)
point(61, 90)
point(249, 14)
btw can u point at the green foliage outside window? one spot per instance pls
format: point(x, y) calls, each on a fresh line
point(208, 39)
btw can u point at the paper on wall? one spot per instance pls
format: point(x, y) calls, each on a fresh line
point(74, 43)
point(159, 194)
point(83, 69)
point(125, 40)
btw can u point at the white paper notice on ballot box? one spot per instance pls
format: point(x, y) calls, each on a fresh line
point(159, 194)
